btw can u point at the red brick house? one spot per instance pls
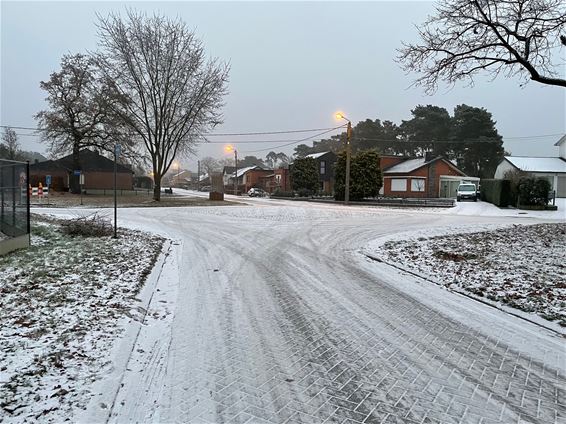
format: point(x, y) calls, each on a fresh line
point(278, 180)
point(98, 172)
point(427, 177)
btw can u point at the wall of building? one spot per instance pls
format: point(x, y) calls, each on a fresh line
point(426, 181)
point(105, 180)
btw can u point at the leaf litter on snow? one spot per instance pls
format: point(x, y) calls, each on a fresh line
point(522, 266)
point(60, 305)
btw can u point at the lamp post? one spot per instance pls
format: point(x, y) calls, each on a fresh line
point(229, 149)
point(348, 154)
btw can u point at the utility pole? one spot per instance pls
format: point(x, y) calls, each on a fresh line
point(236, 172)
point(117, 149)
point(198, 175)
point(348, 156)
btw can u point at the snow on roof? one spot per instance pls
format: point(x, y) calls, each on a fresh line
point(316, 155)
point(561, 141)
point(242, 171)
point(534, 164)
point(406, 166)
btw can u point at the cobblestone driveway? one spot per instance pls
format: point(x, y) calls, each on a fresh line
point(278, 323)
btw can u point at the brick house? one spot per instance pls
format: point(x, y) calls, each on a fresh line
point(426, 177)
point(278, 180)
point(98, 172)
point(248, 177)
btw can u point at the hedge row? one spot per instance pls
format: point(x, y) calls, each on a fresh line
point(497, 192)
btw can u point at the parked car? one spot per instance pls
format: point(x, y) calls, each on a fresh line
point(206, 188)
point(467, 191)
point(257, 192)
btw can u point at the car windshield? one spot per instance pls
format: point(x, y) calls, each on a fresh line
point(470, 187)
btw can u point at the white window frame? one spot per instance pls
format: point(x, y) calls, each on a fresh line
point(418, 185)
point(398, 183)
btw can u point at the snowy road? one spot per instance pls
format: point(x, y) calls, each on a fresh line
point(269, 314)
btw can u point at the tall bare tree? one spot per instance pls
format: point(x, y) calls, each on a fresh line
point(516, 38)
point(174, 94)
point(81, 112)
point(10, 144)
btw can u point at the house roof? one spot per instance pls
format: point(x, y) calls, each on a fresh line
point(89, 161)
point(408, 165)
point(411, 165)
point(317, 155)
point(229, 170)
point(242, 171)
point(535, 164)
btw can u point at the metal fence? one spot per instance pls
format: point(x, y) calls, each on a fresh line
point(14, 198)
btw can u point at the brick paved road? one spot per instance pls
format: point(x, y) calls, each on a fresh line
point(276, 321)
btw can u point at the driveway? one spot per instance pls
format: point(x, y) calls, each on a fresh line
point(267, 313)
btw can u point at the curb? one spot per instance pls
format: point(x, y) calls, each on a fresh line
point(462, 293)
point(107, 387)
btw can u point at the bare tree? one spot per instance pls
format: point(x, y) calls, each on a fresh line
point(10, 144)
point(210, 165)
point(174, 94)
point(509, 37)
point(80, 114)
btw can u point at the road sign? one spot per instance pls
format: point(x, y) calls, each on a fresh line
point(118, 149)
point(77, 172)
point(82, 179)
point(48, 180)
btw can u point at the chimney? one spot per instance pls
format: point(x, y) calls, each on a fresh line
point(429, 156)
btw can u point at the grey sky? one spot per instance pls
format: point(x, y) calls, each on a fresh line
point(293, 65)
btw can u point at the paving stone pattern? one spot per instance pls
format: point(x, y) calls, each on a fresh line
point(321, 341)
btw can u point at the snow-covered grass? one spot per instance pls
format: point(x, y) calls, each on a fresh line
point(520, 266)
point(61, 302)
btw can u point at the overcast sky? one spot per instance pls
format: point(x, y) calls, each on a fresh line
point(293, 65)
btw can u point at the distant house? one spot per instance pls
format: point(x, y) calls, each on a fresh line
point(428, 177)
point(98, 172)
point(247, 177)
point(278, 180)
point(553, 168)
point(325, 162)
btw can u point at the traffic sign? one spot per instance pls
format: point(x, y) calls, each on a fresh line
point(77, 172)
point(48, 180)
point(117, 149)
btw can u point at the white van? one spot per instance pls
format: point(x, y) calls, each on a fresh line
point(467, 191)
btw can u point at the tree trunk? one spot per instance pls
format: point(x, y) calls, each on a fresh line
point(74, 180)
point(157, 188)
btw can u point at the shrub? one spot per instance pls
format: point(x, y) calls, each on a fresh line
point(365, 175)
point(88, 226)
point(497, 192)
point(533, 191)
point(281, 193)
point(304, 175)
point(304, 192)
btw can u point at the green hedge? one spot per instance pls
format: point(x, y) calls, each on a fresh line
point(497, 192)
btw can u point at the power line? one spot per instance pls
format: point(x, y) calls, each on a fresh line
point(206, 135)
point(294, 141)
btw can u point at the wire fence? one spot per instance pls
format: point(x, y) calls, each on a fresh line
point(14, 199)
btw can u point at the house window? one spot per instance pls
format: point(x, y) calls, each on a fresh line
point(398, 184)
point(417, 184)
point(278, 179)
point(322, 167)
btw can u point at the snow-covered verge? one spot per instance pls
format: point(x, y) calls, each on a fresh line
point(521, 266)
point(62, 305)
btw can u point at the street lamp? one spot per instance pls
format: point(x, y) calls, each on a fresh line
point(340, 115)
point(229, 148)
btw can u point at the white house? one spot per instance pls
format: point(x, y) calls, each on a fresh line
point(553, 169)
